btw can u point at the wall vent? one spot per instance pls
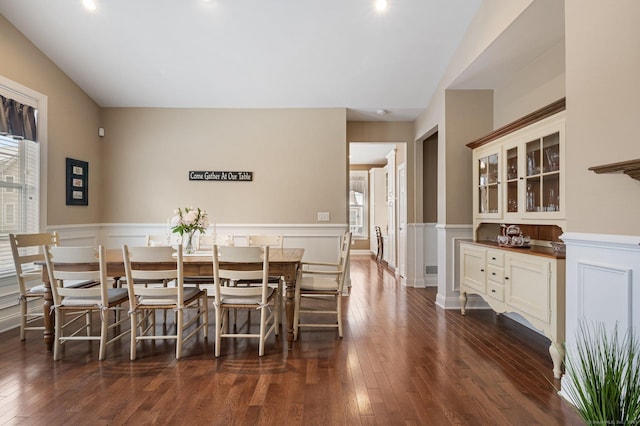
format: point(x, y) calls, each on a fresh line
point(431, 270)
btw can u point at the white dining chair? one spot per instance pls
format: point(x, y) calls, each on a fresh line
point(145, 300)
point(27, 249)
point(274, 242)
point(74, 306)
point(243, 263)
point(321, 283)
point(204, 244)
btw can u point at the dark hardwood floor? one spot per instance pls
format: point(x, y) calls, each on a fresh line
point(402, 361)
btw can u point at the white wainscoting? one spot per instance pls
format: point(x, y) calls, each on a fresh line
point(320, 241)
point(422, 255)
point(448, 296)
point(602, 284)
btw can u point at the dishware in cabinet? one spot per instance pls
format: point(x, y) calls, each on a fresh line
point(543, 174)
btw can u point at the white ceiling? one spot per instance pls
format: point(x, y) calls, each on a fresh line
point(369, 153)
point(251, 53)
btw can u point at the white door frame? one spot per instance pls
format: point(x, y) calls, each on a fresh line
point(402, 221)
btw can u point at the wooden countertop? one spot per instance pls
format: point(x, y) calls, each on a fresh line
point(533, 250)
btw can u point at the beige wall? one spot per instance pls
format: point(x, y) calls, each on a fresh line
point(490, 21)
point(469, 115)
point(298, 158)
point(538, 84)
point(401, 132)
point(73, 121)
point(430, 179)
point(603, 65)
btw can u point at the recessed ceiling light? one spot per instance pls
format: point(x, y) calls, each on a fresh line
point(381, 5)
point(89, 4)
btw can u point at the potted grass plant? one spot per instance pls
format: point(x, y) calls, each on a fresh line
point(604, 373)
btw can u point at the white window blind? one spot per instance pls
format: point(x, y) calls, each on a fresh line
point(21, 160)
point(358, 204)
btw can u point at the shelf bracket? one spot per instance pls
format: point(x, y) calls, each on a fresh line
point(630, 168)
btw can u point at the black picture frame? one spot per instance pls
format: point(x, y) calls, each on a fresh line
point(77, 182)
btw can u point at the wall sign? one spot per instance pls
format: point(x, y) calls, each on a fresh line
point(77, 182)
point(221, 176)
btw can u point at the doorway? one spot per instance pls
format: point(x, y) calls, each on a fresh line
point(381, 163)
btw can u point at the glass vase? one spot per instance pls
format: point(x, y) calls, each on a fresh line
point(188, 243)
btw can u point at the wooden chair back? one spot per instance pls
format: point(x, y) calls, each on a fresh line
point(138, 263)
point(86, 264)
point(27, 249)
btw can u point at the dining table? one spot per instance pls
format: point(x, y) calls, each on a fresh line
point(283, 262)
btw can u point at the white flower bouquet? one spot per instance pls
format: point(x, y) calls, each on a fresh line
point(189, 220)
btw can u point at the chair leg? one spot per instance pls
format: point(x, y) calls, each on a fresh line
point(339, 310)
point(23, 318)
point(277, 313)
point(179, 332)
point(134, 328)
point(263, 328)
point(296, 315)
point(205, 307)
point(104, 329)
point(59, 316)
point(89, 323)
point(219, 325)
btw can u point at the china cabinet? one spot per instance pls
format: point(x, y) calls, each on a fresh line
point(518, 184)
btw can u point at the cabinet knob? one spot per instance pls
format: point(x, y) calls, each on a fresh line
point(493, 273)
point(521, 178)
point(481, 270)
point(493, 258)
point(506, 278)
point(493, 291)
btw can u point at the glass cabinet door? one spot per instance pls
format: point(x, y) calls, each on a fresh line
point(551, 173)
point(542, 171)
point(512, 180)
point(488, 184)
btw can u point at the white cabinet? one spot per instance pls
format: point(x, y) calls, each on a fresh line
point(530, 284)
point(519, 177)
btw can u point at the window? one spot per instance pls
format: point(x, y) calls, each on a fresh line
point(20, 173)
point(358, 204)
point(9, 214)
point(9, 180)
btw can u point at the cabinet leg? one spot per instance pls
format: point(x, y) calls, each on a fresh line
point(557, 356)
point(463, 302)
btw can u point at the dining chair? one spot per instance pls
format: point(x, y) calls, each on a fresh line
point(140, 265)
point(380, 243)
point(243, 263)
point(27, 249)
point(74, 306)
point(321, 280)
point(205, 243)
point(274, 242)
point(169, 239)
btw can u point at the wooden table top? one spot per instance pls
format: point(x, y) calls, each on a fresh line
point(276, 255)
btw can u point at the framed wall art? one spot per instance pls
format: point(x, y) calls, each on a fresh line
point(77, 182)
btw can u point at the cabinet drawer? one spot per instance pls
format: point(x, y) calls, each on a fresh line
point(495, 290)
point(495, 274)
point(495, 258)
